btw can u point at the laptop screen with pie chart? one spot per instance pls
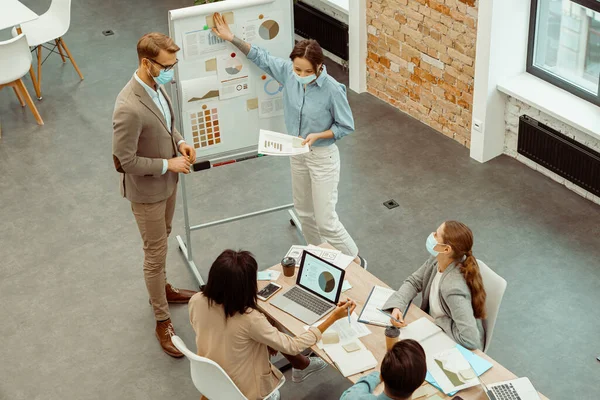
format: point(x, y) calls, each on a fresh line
point(320, 277)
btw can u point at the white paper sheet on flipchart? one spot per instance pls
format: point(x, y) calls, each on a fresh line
point(280, 144)
point(197, 89)
point(236, 84)
point(345, 331)
point(455, 362)
point(378, 298)
point(197, 44)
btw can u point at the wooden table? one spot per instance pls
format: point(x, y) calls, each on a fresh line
point(362, 282)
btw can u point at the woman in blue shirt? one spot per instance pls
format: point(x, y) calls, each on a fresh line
point(317, 110)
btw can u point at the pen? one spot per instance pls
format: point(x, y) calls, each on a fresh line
point(388, 315)
point(349, 320)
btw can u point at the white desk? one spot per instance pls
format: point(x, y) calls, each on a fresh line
point(14, 13)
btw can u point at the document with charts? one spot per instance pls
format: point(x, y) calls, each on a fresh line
point(280, 144)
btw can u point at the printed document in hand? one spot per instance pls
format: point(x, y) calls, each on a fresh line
point(345, 331)
point(369, 314)
point(451, 371)
point(280, 144)
point(351, 363)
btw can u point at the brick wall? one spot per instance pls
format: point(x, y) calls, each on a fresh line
point(421, 59)
point(514, 109)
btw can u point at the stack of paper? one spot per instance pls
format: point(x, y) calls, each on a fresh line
point(351, 363)
point(333, 256)
point(280, 144)
point(452, 371)
point(346, 331)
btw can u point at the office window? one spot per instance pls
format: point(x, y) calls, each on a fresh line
point(564, 45)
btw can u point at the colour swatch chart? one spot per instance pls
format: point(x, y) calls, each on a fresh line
point(270, 97)
point(232, 71)
point(264, 27)
point(206, 131)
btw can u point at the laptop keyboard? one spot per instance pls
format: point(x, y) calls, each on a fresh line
point(505, 392)
point(306, 300)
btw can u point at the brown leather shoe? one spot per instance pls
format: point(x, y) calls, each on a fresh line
point(178, 296)
point(164, 331)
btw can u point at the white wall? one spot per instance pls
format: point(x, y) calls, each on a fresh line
point(502, 34)
point(357, 27)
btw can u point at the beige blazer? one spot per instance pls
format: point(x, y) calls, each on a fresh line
point(141, 140)
point(239, 345)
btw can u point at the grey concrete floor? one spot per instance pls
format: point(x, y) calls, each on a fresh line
point(75, 318)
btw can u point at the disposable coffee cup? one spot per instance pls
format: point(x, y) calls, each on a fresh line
point(392, 335)
point(288, 264)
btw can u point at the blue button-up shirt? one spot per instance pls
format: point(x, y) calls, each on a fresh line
point(321, 107)
point(363, 389)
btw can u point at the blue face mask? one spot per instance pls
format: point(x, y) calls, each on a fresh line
point(305, 80)
point(431, 243)
point(164, 77)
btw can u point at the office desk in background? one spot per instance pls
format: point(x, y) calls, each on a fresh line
point(362, 282)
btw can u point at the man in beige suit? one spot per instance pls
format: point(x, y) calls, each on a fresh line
point(145, 144)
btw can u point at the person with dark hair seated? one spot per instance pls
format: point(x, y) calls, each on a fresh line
point(232, 332)
point(403, 371)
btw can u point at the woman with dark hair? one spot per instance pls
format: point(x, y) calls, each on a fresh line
point(317, 110)
point(453, 292)
point(233, 333)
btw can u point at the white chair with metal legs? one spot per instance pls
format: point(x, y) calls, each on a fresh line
point(209, 378)
point(15, 61)
point(49, 28)
point(495, 286)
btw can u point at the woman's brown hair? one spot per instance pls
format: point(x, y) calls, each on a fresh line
point(311, 50)
point(403, 368)
point(458, 236)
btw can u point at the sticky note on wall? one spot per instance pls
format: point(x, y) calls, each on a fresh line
point(252, 104)
point(228, 17)
point(211, 65)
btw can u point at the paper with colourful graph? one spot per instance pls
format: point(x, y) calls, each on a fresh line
point(280, 144)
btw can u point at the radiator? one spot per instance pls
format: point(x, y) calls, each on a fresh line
point(559, 153)
point(331, 34)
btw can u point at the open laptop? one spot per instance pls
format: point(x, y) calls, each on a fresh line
point(515, 389)
point(317, 290)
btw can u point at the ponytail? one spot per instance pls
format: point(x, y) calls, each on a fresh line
point(470, 271)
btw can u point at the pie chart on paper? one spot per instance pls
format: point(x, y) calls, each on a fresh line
point(234, 66)
point(268, 30)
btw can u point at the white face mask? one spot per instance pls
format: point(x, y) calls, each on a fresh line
point(305, 80)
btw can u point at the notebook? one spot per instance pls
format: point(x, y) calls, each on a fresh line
point(370, 313)
point(351, 363)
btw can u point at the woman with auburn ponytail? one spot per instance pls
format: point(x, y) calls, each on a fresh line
point(453, 292)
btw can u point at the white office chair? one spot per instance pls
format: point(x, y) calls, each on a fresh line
point(15, 61)
point(495, 286)
point(49, 27)
point(210, 379)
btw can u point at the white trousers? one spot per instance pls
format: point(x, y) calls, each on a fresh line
point(315, 178)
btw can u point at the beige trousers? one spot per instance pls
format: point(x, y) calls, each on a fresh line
point(154, 222)
point(315, 178)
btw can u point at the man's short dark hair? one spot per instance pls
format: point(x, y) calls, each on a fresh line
point(232, 282)
point(403, 368)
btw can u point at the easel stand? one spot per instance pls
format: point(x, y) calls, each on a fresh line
point(186, 246)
